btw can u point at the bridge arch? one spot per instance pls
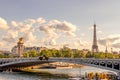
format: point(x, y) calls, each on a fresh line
point(108, 64)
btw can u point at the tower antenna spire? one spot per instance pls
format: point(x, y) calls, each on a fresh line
point(94, 22)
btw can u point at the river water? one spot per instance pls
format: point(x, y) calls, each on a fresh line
point(75, 72)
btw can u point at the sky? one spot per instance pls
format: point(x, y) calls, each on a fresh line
point(58, 23)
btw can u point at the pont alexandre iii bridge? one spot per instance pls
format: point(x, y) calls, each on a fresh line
point(17, 63)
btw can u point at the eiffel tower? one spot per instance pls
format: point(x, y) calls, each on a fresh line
point(94, 46)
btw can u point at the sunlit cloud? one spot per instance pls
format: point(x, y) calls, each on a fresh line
point(111, 40)
point(53, 30)
point(82, 34)
point(3, 24)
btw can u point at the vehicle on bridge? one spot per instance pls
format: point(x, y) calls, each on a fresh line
point(44, 57)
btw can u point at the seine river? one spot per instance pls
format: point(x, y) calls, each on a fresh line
point(75, 72)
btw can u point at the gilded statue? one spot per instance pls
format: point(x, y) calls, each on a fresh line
point(21, 40)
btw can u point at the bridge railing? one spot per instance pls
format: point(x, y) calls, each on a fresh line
point(7, 60)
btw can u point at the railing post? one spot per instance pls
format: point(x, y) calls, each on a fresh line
point(105, 63)
point(112, 65)
point(118, 76)
point(119, 65)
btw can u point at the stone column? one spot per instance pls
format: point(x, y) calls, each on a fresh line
point(20, 47)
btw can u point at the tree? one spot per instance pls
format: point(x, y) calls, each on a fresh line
point(89, 55)
point(25, 54)
point(109, 55)
point(66, 52)
point(55, 53)
point(32, 53)
point(96, 55)
point(1, 56)
point(102, 55)
point(45, 52)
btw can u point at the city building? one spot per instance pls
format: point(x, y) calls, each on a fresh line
point(4, 52)
point(14, 50)
point(37, 49)
point(19, 49)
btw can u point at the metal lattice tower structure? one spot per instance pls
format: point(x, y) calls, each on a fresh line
point(94, 46)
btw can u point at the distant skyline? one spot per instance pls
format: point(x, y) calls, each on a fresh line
point(54, 23)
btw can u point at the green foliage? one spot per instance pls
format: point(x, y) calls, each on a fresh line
point(31, 53)
point(79, 54)
point(45, 52)
point(25, 54)
point(1, 56)
point(65, 52)
point(6, 55)
point(99, 55)
point(55, 53)
point(89, 55)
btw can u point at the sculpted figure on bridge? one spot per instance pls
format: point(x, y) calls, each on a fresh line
point(20, 40)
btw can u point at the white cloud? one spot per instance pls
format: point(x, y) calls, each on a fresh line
point(8, 39)
point(17, 30)
point(54, 28)
point(52, 42)
point(78, 44)
point(66, 26)
point(70, 34)
point(47, 29)
point(13, 34)
point(111, 40)
point(25, 27)
point(28, 29)
point(13, 23)
point(82, 34)
point(30, 21)
point(10, 36)
point(54, 22)
point(1, 44)
point(63, 27)
point(40, 20)
point(29, 37)
point(3, 24)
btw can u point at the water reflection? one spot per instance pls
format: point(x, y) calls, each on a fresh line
point(76, 72)
point(26, 76)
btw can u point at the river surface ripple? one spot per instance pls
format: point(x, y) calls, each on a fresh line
point(75, 72)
